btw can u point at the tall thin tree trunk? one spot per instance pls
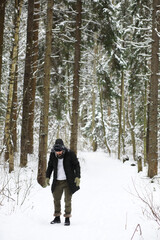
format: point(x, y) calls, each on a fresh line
point(14, 113)
point(121, 116)
point(120, 127)
point(27, 86)
point(8, 132)
point(123, 113)
point(75, 101)
point(102, 119)
point(132, 127)
point(145, 124)
point(153, 98)
point(43, 138)
point(2, 14)
point(34, 76)
point(94, 141)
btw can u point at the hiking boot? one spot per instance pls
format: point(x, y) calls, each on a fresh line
point(67, 221)
point(56, 220)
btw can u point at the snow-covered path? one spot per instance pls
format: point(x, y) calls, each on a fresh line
point(104, 208)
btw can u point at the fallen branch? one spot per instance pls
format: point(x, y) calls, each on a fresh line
point(148, 201)
point(136, 229)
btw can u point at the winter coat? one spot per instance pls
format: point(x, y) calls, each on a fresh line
point(71, 168)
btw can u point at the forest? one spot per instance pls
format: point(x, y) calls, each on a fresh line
point(83, 71)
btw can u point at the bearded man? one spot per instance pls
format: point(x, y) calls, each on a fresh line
point(66, 178)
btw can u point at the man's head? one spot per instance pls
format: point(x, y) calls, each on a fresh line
point(59, 148)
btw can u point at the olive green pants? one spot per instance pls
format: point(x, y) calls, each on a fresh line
point(62, 187)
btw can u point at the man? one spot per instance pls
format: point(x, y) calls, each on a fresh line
point(66, 178)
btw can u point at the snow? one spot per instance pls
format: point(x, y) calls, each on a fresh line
point(105, 208)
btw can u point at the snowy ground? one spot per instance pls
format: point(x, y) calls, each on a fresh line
point(105, 208)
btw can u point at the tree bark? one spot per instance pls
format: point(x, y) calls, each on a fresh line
point(123, 113)
point(27, 86)
point(34, 77)
point(43, 138)
point(139, 160)
point(145, 124)
point(8, 133)
point(131, 123)
point(153, 96)
point(2, 14)
point(14, 113)
point(75, 101)
point(102, 119)
point(94, 141)
point(120, 126)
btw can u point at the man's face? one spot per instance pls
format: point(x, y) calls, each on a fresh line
point(59, 153)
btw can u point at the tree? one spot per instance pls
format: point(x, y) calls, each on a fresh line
point(153, 94)
point(27, 86)
point(34, 71)
point(75, 101)
point(2, 14)
point(94, 140)
point(8, 131)
point(14, 112)
point(43, 137)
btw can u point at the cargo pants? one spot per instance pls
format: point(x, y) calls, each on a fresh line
point(62, 187)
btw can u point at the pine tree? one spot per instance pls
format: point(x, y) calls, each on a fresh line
point(34, 71)
point(75, 101)
point(43, 137)
point(153, 94)
point(8, 132)
point(27, 86)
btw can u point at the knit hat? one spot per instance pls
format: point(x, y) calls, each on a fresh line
point(59, 145)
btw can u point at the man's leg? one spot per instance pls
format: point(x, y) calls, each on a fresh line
point(68, 200)
point(57, 195)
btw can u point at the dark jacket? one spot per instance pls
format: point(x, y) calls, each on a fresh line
point(71, 168)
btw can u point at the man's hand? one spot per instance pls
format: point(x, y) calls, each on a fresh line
point(77, 181)
point(47, 182)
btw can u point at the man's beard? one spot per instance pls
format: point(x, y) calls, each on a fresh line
point(60, 156)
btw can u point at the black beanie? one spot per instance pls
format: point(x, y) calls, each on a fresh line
point(59, 141)
point(59, 145)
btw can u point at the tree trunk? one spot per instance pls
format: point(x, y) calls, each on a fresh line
point(14, 113)
point(153, 96)
point(27, 86)
point(102, 119)
point(94, 141)
point(139, 160)
point(8, 132)
point(123, 113)
point(34, 76)
point(43, 138)
point(132, 126)
point(120, 127)
point(145, 125)
point(75, 101)
point(2, 14)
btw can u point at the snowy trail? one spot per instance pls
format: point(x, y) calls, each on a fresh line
point(103, 209)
